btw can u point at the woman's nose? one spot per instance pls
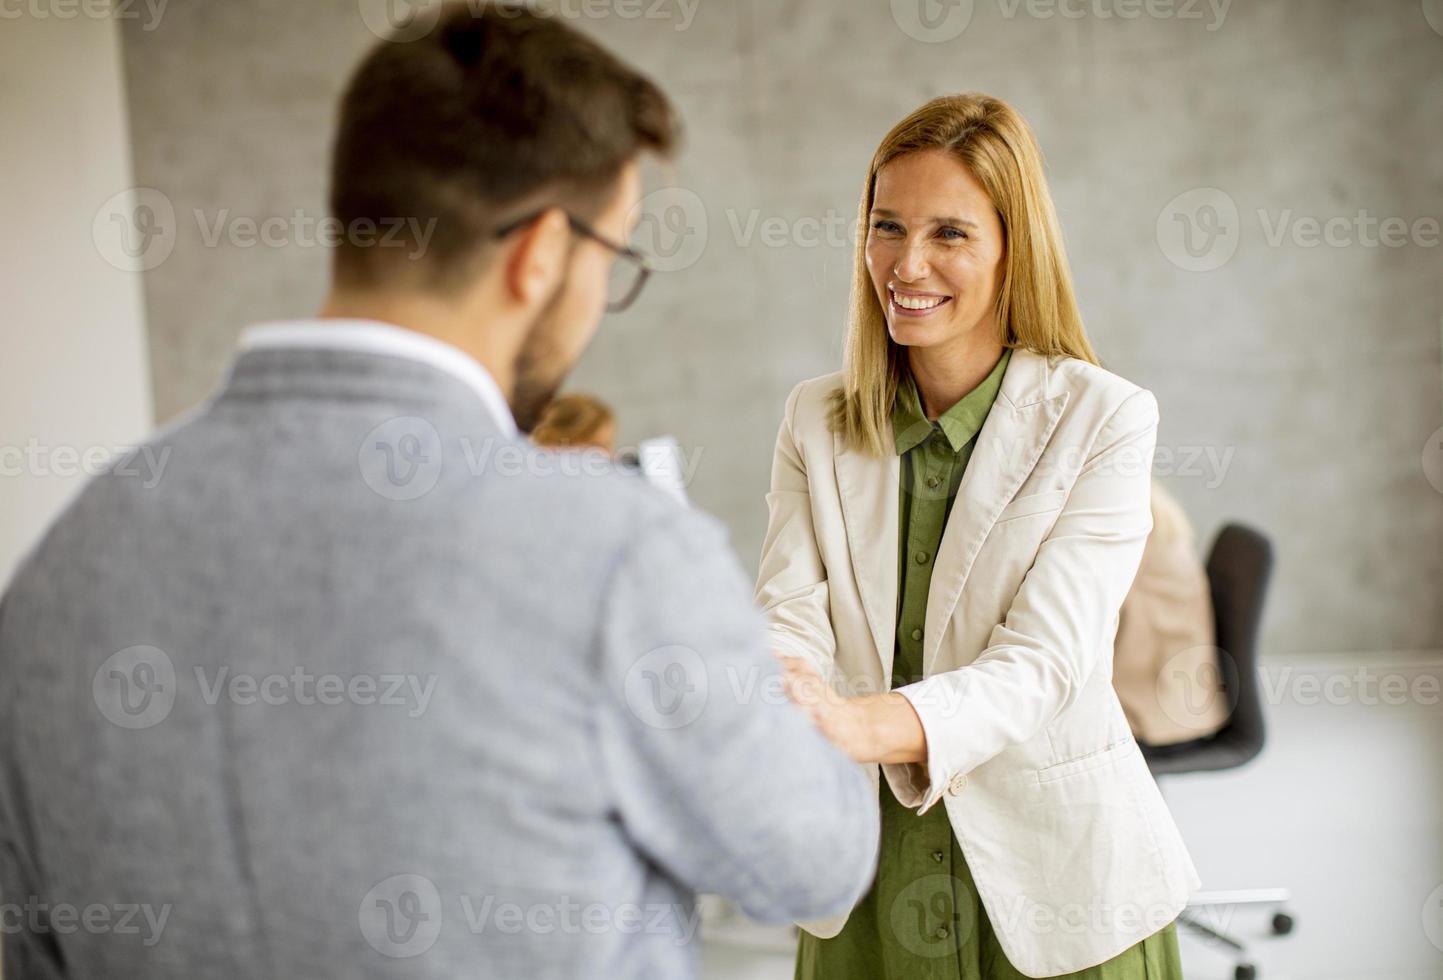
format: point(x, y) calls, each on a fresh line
point(911, 262)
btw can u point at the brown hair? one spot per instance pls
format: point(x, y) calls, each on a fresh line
point(494, 111)
point(572, 420)
point(1036, 307)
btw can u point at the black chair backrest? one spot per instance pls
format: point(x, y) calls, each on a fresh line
point(1239, 567)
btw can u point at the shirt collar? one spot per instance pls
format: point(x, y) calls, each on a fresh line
point(911, 427)
point(386, 340)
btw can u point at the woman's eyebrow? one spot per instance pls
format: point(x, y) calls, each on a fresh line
point(943, 220)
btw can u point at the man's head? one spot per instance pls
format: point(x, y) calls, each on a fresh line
point(447, 142)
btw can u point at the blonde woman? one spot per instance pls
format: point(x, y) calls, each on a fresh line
point(955, 519)
point(577, 421)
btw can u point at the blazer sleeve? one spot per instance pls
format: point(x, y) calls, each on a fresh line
point(716, 776)
point(791, 578)
point(25, 951)
point(1059, 623)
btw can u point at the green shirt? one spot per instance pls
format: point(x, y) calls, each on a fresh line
point(934, 457)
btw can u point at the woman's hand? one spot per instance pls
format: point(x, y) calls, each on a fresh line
point(869, 727)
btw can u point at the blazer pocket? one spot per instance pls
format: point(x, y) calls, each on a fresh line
point(1032, 504)
point(1088, 761)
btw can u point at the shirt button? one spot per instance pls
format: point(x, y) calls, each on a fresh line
point(921, 557)
point(957, 784)
point(941, 932)
point(938, 856)
point(932, 481)
point(916, 634)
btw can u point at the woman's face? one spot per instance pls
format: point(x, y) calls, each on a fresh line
point(934, 250)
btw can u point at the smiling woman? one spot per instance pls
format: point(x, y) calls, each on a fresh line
point(988, 257)
point(974, 642)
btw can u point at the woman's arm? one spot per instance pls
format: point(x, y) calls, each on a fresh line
point(791, 580)
point(870, 727)
point(1040, 656)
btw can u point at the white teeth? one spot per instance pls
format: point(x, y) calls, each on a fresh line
point(918, 302)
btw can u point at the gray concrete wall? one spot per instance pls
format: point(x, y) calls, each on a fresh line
point(1300, 379)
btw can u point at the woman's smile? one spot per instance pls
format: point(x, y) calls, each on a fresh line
point(906, 302)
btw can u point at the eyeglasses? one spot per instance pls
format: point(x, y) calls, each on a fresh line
point(629, 270)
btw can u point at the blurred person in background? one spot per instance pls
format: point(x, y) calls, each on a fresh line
point(1165, 663)
point(354, 691)
point(577, 421)
point(954, 521)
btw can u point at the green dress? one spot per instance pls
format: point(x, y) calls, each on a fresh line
point(922, 918)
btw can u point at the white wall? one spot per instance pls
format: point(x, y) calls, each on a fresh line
point(74, 376)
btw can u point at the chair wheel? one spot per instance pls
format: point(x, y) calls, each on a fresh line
point(1245, 971)
point(1282, 924)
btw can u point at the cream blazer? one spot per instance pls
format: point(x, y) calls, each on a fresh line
point(1074, 853)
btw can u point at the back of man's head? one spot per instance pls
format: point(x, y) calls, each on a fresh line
point(494, 110)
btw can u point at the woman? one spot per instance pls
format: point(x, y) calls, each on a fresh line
point(577, 421)
point(1165, 666)
point(955, 518)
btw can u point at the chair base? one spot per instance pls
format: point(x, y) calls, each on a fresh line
point(1282, 923)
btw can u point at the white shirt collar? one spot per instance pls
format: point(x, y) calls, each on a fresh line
point(387, 340)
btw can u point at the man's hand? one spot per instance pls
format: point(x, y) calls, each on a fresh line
point(869, 728)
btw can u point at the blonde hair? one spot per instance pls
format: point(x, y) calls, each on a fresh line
point(1036, 306)
point(572, 420)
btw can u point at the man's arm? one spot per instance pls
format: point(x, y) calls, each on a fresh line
point(24, 952)
point(717, 776)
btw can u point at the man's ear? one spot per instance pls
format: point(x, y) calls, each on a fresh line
point(537, 262)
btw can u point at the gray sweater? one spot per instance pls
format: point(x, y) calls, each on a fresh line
point(334, 679)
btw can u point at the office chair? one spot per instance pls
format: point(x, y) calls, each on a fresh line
point(1238, 569)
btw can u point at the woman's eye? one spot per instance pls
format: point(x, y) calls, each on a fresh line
point(886, 227)
point(953, 234)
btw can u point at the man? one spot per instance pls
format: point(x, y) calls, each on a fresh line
point(368, 685)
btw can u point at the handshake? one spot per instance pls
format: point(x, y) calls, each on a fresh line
point(881, 728)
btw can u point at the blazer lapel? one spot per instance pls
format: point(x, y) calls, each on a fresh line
point(868, 486)
point(1008, 447)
